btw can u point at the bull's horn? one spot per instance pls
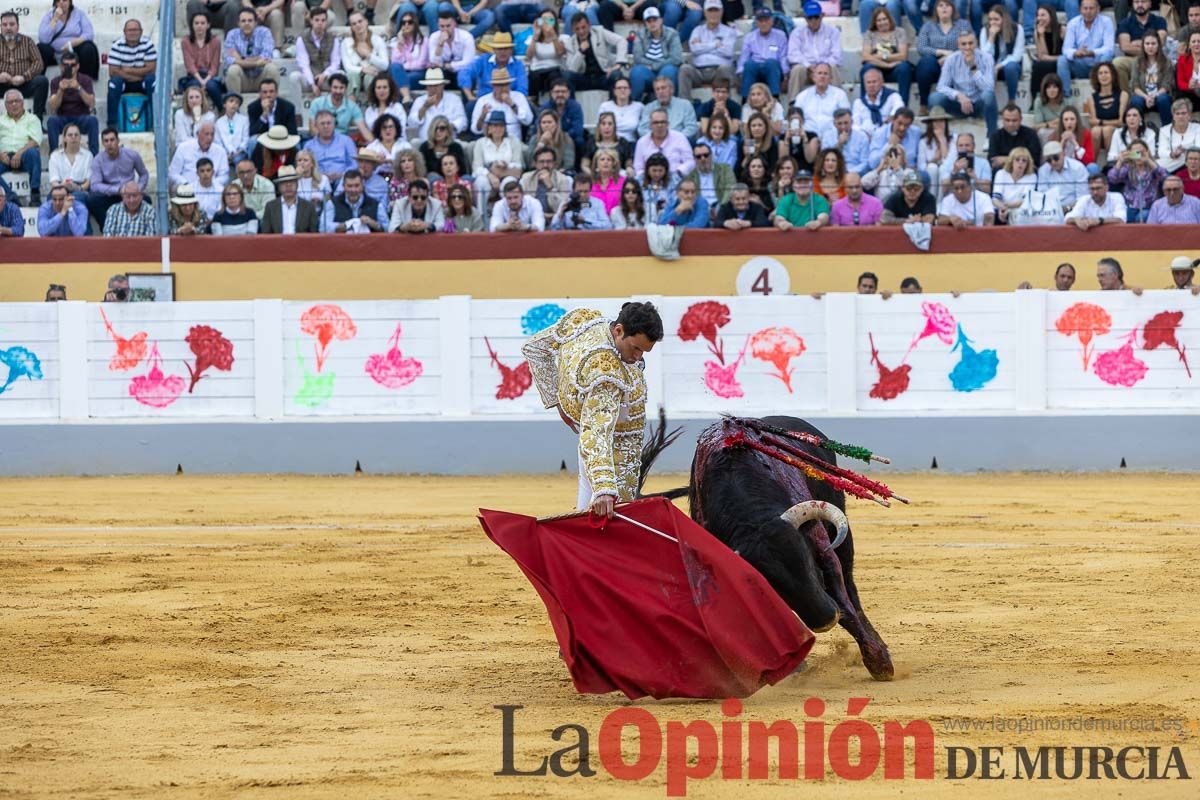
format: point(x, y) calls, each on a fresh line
point(809, 510)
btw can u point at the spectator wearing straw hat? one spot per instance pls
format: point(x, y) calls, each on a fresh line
point(476, 79)
point(506, 99)
point(289, 213)
point(185, 218)
point(1183, 272)
point(375, 183)
point(657, 53)
point(436, 102)
point(183, 164)
point(450, 48)
point(276, 148)
point(61, 215)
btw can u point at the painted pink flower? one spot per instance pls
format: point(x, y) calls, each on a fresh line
point(391, 369)
point(721, 379)
point(939, 322)
point(130, 352)
point(155, 389)
point(1121, 367)
point(327, 322)
point(778, 346)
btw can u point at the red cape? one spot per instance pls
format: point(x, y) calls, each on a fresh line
point(639, 614)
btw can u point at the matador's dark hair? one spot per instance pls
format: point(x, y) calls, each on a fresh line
point(638, 318)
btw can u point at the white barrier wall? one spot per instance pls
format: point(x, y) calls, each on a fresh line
point(839, 354)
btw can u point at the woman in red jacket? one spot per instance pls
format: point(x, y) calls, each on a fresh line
point(1187, 72)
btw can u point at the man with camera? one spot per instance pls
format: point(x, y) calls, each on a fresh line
point(580, 211)
point(965, 160)
point(72, 99)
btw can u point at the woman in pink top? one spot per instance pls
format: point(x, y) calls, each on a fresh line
point(409, 56)
point(607, 178)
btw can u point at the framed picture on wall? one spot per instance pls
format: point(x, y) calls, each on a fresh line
point(151, 287)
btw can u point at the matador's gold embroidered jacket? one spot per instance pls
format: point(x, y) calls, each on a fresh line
point(576, 366)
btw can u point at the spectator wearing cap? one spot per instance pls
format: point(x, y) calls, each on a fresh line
point(476, 79)
point(913, 203)
point(856, 209)
point(417, 212)
point(690, 209)
point(967, 85)
point(185, 217)
point(764, 57)
point(1098, 207)
point(20, 140)
point(21, 64)
point(347, 114)
point(334, 151)
point(657, 53)
point(739, 213)
point(801, 207)
point(670, 143)
point(503, 99)
point(516, 211)
point(318, 56)
point(581, 211)
point(436, 102)
point(112, 168)
point(133, 216)
point(1061, 174)
point(62, 215)
point(72, 99)
point(1174, 207)
point(855, 146)
point(275, 149)
point(964, 206)
point(681, 114)
point(289, 213)
point(712, 47)
point(449, 47)
point(614, 11)
point(352, 211)
point(183, 164)
point(11, 221)
point(249, 54)
point(1183, 272)
point(811, 44)
point(233, 129)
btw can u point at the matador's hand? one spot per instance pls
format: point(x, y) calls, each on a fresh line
point(603, 506)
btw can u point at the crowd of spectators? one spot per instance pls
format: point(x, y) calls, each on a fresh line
point(440, 119)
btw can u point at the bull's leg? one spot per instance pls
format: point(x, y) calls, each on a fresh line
point(839, 583)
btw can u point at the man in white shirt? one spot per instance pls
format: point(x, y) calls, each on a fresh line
point(964, 206)
point(449, 47)
point(877, 105)
point(517, 212)
point(712, 47)
point(434, 103)
point(820, 100)
point(1066, 175)
point(208, 191)
point(1100, 207)
point(514, 105)
point(190, 151)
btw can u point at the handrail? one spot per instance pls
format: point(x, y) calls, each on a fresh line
point(162, 110)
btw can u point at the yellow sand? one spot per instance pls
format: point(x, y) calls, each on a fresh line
point(289, 637)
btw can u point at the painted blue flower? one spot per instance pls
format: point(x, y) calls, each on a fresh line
point(974, 369)
point(20, 362)
point(541, 317)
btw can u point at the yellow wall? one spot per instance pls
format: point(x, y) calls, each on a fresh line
point(580, 277)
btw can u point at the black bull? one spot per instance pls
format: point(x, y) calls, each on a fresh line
point(740, 495)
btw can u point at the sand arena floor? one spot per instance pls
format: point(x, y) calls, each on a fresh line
point(287, 637)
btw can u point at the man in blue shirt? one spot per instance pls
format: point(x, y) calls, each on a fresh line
point(581, 211)
point(11, 221)
point(1090, 40)
point(900, 131)
point(764, 54)
point(570, 113)
point(335, 152)
point(690, 209)
point(476, 79)
point(967, 86)
point(854, 146)
point(61, 215)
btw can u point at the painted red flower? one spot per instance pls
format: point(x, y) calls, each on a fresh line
point(514, 382)
point(1160, 331)
point(892, 382)
point(327, 322)
point(1121, 367)
point(391, 369)
point(778, 346)
point(1087, 321)
point(211, 348)
point(154, 389)
point(703, 319)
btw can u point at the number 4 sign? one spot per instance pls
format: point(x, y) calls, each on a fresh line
point(763, 276)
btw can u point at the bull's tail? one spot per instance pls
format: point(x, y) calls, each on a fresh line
point(670, 494)
point(658, 440)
